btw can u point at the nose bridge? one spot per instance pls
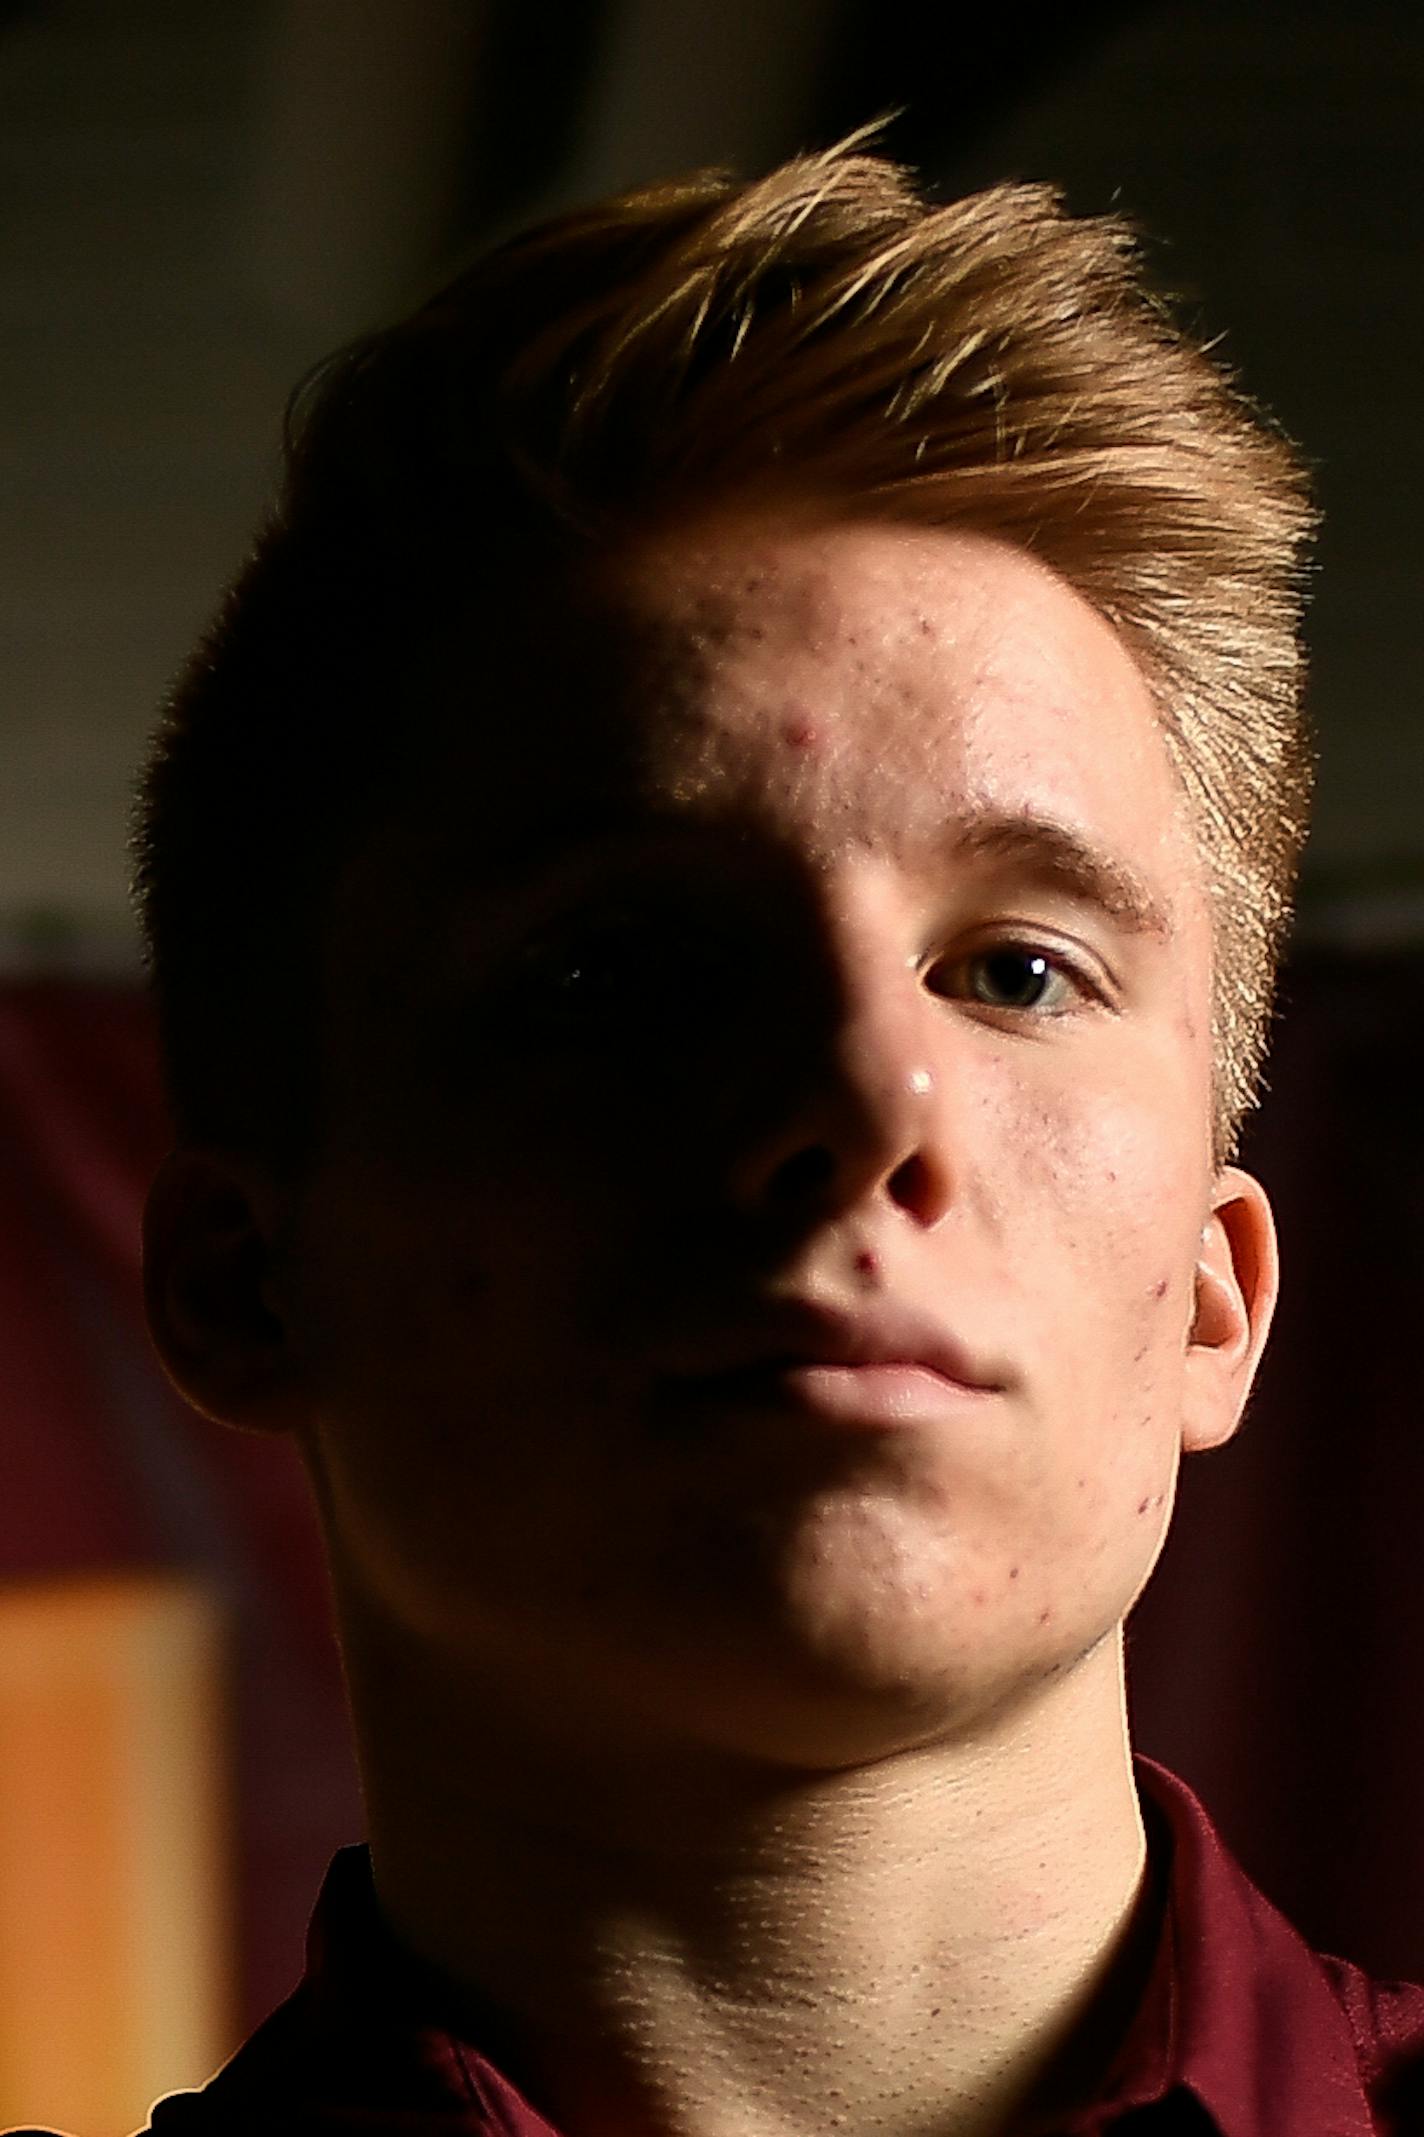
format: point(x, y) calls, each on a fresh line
point(860, 1109)
point(881, 1042)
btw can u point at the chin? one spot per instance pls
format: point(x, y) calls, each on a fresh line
point(835, 1670)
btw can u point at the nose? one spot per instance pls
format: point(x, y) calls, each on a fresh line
point(860, 1116)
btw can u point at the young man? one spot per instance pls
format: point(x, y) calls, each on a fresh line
point(713, 896)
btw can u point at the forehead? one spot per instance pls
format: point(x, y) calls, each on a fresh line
point(837, 684)
point(882, 676)
point(831, 688)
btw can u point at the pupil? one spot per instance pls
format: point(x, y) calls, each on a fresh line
point(1016, 976)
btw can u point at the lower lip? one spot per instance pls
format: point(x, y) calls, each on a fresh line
point(866, 1398)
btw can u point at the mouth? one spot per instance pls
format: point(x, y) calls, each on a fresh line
point(847, 1370)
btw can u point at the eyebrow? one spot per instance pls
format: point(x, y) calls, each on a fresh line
point(1049, 853)
point(1040, 849)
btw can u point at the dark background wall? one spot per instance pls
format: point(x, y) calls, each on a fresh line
point(200, 196)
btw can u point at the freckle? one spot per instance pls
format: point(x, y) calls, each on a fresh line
point(798, 734)
point(1013, 1572)
point(1082, 1483)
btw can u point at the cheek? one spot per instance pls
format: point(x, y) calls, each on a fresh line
point(443, 1330)
point(1112, 1169)
point(1101, 1226)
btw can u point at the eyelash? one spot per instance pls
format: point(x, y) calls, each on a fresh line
point(607, 970)
point(1075, 986)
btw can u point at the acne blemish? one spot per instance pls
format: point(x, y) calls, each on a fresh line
point(866, 1263)
point(1159, 1289)
point(980, 1597)
point(1013, 1572)
point(798, 734)
point(1142, 1505)
point(1044, 1616)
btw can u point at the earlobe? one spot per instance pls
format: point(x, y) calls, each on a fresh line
point(211, 1228)
point(1237, 1278)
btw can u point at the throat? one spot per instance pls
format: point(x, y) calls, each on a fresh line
point(847, 1965)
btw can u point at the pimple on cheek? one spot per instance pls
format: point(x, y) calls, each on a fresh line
point(797, 732)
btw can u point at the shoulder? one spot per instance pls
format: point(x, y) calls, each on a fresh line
point(1386, 2022)
point(271, 2083)
point(267, 2086)
point(1262, 2016)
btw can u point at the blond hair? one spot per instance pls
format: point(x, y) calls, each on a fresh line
point(822, 333)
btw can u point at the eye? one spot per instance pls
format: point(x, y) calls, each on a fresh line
point(586, 977)
point(1020, 976)
point(624, 973)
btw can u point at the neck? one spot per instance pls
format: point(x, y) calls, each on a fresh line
point(949, 1940)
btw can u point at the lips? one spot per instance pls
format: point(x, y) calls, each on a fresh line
point(881, 1368)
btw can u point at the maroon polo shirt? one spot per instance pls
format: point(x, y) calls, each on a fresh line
point(1243, 2031)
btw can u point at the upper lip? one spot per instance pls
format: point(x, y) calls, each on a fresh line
point(786, 1333)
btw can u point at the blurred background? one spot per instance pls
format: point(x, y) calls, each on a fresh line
point(197, 199)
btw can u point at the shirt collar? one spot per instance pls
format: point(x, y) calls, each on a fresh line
point(1239, 2011)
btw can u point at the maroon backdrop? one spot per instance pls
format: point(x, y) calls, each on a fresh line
point(101, 1466)
point(1274, 1662)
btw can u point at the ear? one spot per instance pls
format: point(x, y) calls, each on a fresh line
point(211, 1231)
point(1237, 1279)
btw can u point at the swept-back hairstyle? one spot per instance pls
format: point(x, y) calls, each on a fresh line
point(823, 334)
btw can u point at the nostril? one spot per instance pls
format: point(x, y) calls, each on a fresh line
point(909, 1184)
point(807, 1173)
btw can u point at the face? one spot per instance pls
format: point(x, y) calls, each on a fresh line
point(749, 1291)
